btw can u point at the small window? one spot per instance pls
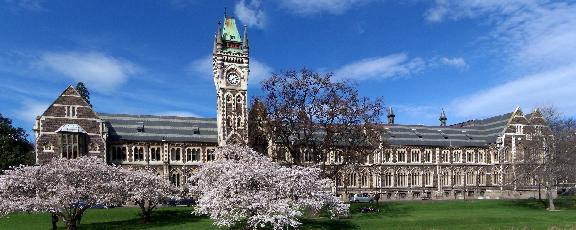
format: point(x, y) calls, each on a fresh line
point(140, 127)
point(210, 156)
point(71, 111)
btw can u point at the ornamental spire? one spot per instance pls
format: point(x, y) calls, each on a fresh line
point(391, 116)
point(443, 119)
point(245, 43)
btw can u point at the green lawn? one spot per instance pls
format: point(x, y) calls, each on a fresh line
point(472, 214)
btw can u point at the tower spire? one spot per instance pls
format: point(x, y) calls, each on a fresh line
point(391, 116)
point(245, 42)
point(443, 119)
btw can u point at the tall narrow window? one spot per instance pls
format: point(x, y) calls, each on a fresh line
point(155, 154)
point(193, 154)
point(175, 179)
point(175, 154)
point(138, 153)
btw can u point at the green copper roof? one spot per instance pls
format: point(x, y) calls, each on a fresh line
point(230, 32)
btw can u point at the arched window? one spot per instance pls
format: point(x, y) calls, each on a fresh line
point(402, 179)
point(388, 179)
point(155, 154)
point(415, 179)
point(457, 178)
point(415, 156)
point(175, 154)
point(210, 156)
point(365, 180)
point(387, 155)
point(427, 178)
point(482, 178)
point(470, 178)
point(401, 155)
point(138, 153)
point(445, 156)
point(175, 179)
point(445, 178)
point(193, 154)
point(495, 177)
point(427, 156)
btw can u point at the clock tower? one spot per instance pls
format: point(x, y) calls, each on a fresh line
point(231, 67)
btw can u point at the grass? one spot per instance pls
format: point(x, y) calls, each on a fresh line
point(471, 214)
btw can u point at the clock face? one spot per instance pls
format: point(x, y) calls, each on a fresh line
point(233, 79)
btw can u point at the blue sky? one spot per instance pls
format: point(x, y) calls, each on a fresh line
point(473, 58)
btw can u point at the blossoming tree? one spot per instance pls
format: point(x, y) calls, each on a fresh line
point(147, 190)
point(63, 187)
point(244, 187)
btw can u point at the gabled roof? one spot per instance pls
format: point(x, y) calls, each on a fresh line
point(159, 128)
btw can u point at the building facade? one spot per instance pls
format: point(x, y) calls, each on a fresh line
point(470, 159)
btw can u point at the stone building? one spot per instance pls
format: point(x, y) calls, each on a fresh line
point(173, 146)
point(472, 159)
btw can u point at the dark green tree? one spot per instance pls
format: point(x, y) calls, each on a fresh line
point(15, 149)
point(83, 91)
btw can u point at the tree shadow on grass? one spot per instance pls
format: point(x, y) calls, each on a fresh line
point(328, 224)
point(158, 218)
point(560, 203)
point(528, 204)
point(385, 209)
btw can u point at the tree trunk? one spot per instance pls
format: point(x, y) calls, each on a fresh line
point(551, 206)
point(71, 224)
point(147, 216)
point(539, 191)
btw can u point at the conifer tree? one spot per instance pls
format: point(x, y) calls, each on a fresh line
point(83, 91)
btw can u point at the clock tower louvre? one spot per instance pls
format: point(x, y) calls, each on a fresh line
point(231, 69)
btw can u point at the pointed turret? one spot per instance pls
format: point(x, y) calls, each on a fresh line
point(245, 43)
point(443, 119)
point(218, 38)
point(391, 116)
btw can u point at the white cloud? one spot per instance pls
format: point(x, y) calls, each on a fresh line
point(34, 5)
point(455, 62)
point(250, 14)
point(99, 71)
point(556, 87)
point(30, 109)
point(536, 38)
point(178, 114)
point(308, 7)
point(203, 66)
point(381, 67)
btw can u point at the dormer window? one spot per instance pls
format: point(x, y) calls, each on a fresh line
point(140, 127)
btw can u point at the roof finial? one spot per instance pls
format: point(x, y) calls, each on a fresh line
point(391, 116)
point(225, 14)
point(443, 118)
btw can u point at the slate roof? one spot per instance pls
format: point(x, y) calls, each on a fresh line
point(473, 133)
point(158, 128)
